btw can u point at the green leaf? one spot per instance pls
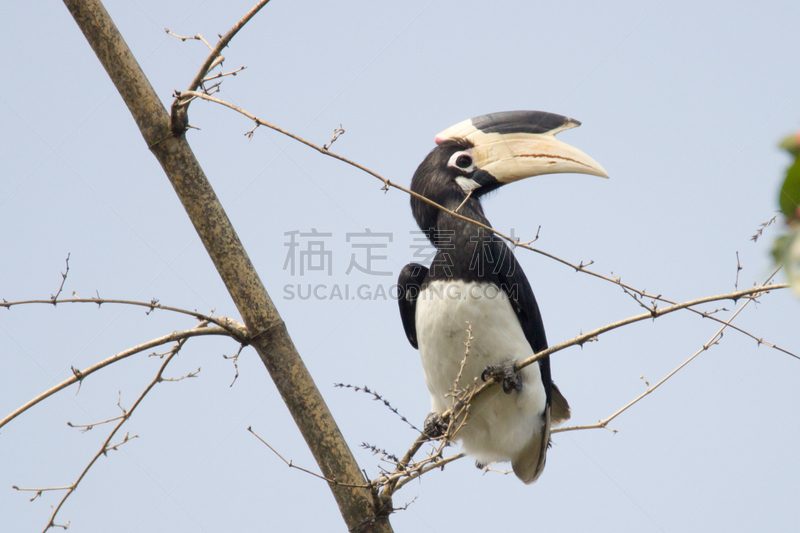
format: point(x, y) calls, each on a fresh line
point(792, 144)
point(786, 252)
point(791, 258)
point(790, 191)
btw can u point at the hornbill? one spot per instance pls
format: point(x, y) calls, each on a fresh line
point(475, 281)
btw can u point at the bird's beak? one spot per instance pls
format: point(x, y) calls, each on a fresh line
point(519, 144)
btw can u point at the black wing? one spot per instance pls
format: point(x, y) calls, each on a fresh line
point(409, 284)
point(516, 286)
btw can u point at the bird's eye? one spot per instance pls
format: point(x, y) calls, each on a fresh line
point(462, 161)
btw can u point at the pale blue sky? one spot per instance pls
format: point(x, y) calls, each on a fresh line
point(682, 102)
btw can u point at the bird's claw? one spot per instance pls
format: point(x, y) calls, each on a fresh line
point(505, 373)
point(434, 426)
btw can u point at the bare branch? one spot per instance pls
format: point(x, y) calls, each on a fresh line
point(196, 37)
point(79, 375)
point(107, 446)
point(427, 468)
point(459, 412)
point(186, 376)
point(88, 427)
point(232, 327)
point(187, 96)
point(377, 397)
point(222, 75)
point(536, 238)
point(711, 342)
point(39, 491)
point(235, 363)
point(336, 134)
point(637, 294)
point(467, 345)
point(215, 57)
point(738, 269)
point(467, 197)
point(750, 293)
point(113, 447)
point(61, 287)
point(292, 465)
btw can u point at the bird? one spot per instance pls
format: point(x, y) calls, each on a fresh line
point(475, 286)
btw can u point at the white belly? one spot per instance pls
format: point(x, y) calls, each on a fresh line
point(499, 424)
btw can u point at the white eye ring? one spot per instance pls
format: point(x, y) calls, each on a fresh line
point(462, 160)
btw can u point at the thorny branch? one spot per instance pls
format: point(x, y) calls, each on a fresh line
point(232, 327)
point(406, 469)
point(107, 446)
point(714, 340)
point(377, 397)
point(187, 96)
point(79, 375)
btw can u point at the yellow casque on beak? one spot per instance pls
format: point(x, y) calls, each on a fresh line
point(513, 155)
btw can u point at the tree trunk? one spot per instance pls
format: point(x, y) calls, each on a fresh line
point(269, 335)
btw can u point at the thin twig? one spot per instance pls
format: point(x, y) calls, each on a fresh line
point(216, 52)
point(80, 375)
point(53, 299)
point(196, 37)
point(536, 238)
point(292, 465)
point(467, 346)
point(185, 376)
point(464, 201)
point(738, 269)
point(392, 458)
point(338, 132)
point(711, 342)
point(107, 446)
point(752, 293)
point(427, 468)
point(223, 74)
point(88, 427)
point(39, 491)
point(234, 328)
point(235, 363)
point(379, 398)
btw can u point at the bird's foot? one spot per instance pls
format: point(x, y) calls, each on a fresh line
point(434, 426)
point(506, 373)
point(479, 465)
